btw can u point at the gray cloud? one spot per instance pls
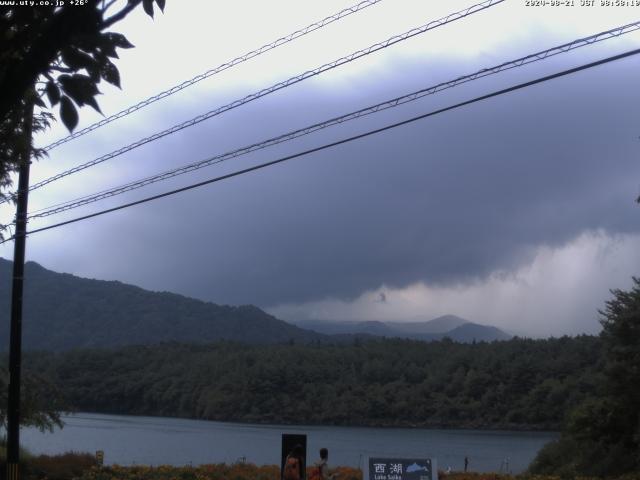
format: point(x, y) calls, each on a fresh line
point(445, 200)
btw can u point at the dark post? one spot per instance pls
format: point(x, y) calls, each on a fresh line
point(289, 441)
point(15, 338)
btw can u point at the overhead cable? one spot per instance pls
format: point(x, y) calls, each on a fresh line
point(534, 57)
point(343, 141)
point(278, 86)
point(220, 68)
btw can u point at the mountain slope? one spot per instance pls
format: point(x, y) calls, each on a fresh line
point(441, 324)
point(62, 311)
point(456, 328)
point(470, 332)
point(329, 327)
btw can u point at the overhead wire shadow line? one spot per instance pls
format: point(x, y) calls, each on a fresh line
point(343, 141)
point(278, 86)
point(534, 57)
point(220, 68)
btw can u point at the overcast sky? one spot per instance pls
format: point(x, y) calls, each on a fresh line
point(517, 212)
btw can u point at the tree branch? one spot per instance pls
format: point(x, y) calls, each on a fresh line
point(120, 15)
point(62, 69)
point(108, 6)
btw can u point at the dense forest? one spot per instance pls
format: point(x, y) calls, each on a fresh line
point(601, 436)
point(514, 384)
point(101, 314)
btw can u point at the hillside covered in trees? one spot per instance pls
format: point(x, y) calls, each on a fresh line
point(63, 311)
point(515, 384)
point(601, 436)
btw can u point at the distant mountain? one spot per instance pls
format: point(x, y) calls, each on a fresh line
point(445, 323)
point(456, 328)
point(329, 327)
point(62, 311)
point(480, 333)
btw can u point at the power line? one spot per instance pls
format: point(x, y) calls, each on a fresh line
point(538, 56)
point(220, 68)
point(345, 140)
point(278, 86)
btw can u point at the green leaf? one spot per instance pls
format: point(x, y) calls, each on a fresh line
point(148, 7)
point(68, 113)
point(94, 72)
point(117, 40)
point(110, 73)
point(161, 4)
point(76, 59)
point(94, 104)
point(79, 87)
point(53, 93)
point(108, 49)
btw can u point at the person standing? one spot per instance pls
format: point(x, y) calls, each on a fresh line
point(466, 464)
point(321, 468)
point(293, 465)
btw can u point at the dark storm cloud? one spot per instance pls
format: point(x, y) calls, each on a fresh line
point(444, 200)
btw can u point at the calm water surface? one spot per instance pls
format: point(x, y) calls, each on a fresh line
point(129, 440)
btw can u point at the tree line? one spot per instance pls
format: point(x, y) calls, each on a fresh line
point(521, 383)
point(601, 436)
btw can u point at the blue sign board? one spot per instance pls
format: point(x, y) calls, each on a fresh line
point(401, 469)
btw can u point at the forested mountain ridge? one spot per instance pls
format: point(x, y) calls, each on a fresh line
point(62, 312)
point(455, 328)
point(522, 384)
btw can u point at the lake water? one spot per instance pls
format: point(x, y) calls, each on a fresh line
point(128, 440)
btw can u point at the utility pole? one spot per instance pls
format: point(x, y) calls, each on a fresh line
point(15, 338)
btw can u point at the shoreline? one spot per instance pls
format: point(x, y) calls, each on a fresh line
point(387, 426)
